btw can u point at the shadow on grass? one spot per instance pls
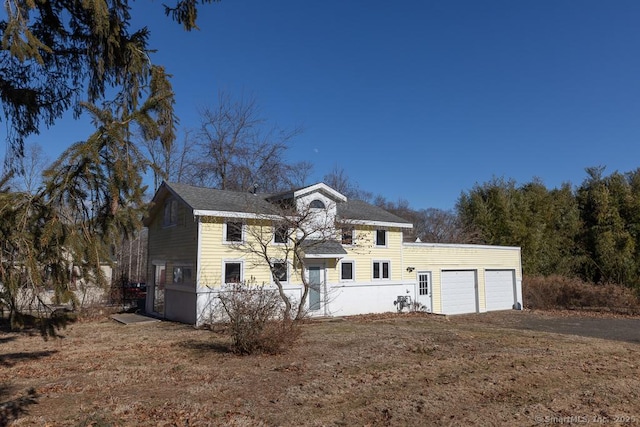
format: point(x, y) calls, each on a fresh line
point(206, 347)
point(10, 359)
point(7, 339)
point(14, 408)
point(47, 327)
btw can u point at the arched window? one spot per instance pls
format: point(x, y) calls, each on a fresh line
point(317, 204)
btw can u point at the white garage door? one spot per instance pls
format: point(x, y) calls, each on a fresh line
point(499, 289)
point(459, 292)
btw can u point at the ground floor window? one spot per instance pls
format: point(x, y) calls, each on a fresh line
point(182, 275)
point(381, 270)
point(280, 271)
point(232, 272)
point(346, 270)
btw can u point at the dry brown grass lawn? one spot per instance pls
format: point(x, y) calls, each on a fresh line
point(378, 370)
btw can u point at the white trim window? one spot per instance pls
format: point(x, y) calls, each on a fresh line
point(381, 237)
point(182, 275)
point(232, 271)
point(233, 232)
point(280, 271)
point(317, 204)
point(348, 236)
point(347, 271)
point(170, 213)
point(381, 270)
point(280, 234)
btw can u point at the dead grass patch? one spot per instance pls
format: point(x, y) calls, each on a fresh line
point(368, 370)
point(560, 292)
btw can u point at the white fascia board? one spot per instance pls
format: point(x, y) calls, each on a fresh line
point(229, 214)
point(324, 256)
point(459, 245)
point(375, 223)
point(318, 187)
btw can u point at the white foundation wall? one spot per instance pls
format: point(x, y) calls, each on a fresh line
point(337, 300)
point(208, 308)
point(349, 300)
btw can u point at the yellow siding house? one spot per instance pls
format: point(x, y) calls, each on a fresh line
point(356, 261)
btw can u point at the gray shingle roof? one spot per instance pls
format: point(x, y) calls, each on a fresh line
point(323, 247)
point(363, 211)
point(209, 199)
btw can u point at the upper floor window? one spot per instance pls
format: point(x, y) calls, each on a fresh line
point(381, 237)
point(347, 236)
point(317, 204)
point(233, 232)
point(170, 213)
point(280, 234)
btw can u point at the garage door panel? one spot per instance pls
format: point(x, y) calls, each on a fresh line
point(458, 292)
point(499, 289)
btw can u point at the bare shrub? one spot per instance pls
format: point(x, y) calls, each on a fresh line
point(256, 320)
point(559, 292)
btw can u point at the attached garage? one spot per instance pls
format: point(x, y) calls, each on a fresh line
point(500, 289)
point(459, 292)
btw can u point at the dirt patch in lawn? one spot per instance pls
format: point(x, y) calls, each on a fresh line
point(370, 370)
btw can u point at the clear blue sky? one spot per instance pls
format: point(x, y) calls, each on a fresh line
point(418, 99)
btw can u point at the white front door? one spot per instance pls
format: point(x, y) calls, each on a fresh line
point(315, 278)
point(423, 294)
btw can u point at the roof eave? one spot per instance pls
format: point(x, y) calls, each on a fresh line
point(324, 256)
point(376, 223)
point(234, 214)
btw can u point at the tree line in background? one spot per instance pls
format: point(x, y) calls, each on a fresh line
point(591, 232)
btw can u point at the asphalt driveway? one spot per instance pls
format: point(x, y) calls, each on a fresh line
point(572, 323)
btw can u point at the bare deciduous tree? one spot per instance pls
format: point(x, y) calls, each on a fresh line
point(171, 163)
point(33, 164)
point(238, 150)
point(300, 230)
point(338, 179)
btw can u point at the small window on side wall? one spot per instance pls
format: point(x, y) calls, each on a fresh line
point(182, 275)
point(381, 237)
point(170, 214)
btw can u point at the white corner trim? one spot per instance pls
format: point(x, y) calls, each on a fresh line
point(199, 254)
